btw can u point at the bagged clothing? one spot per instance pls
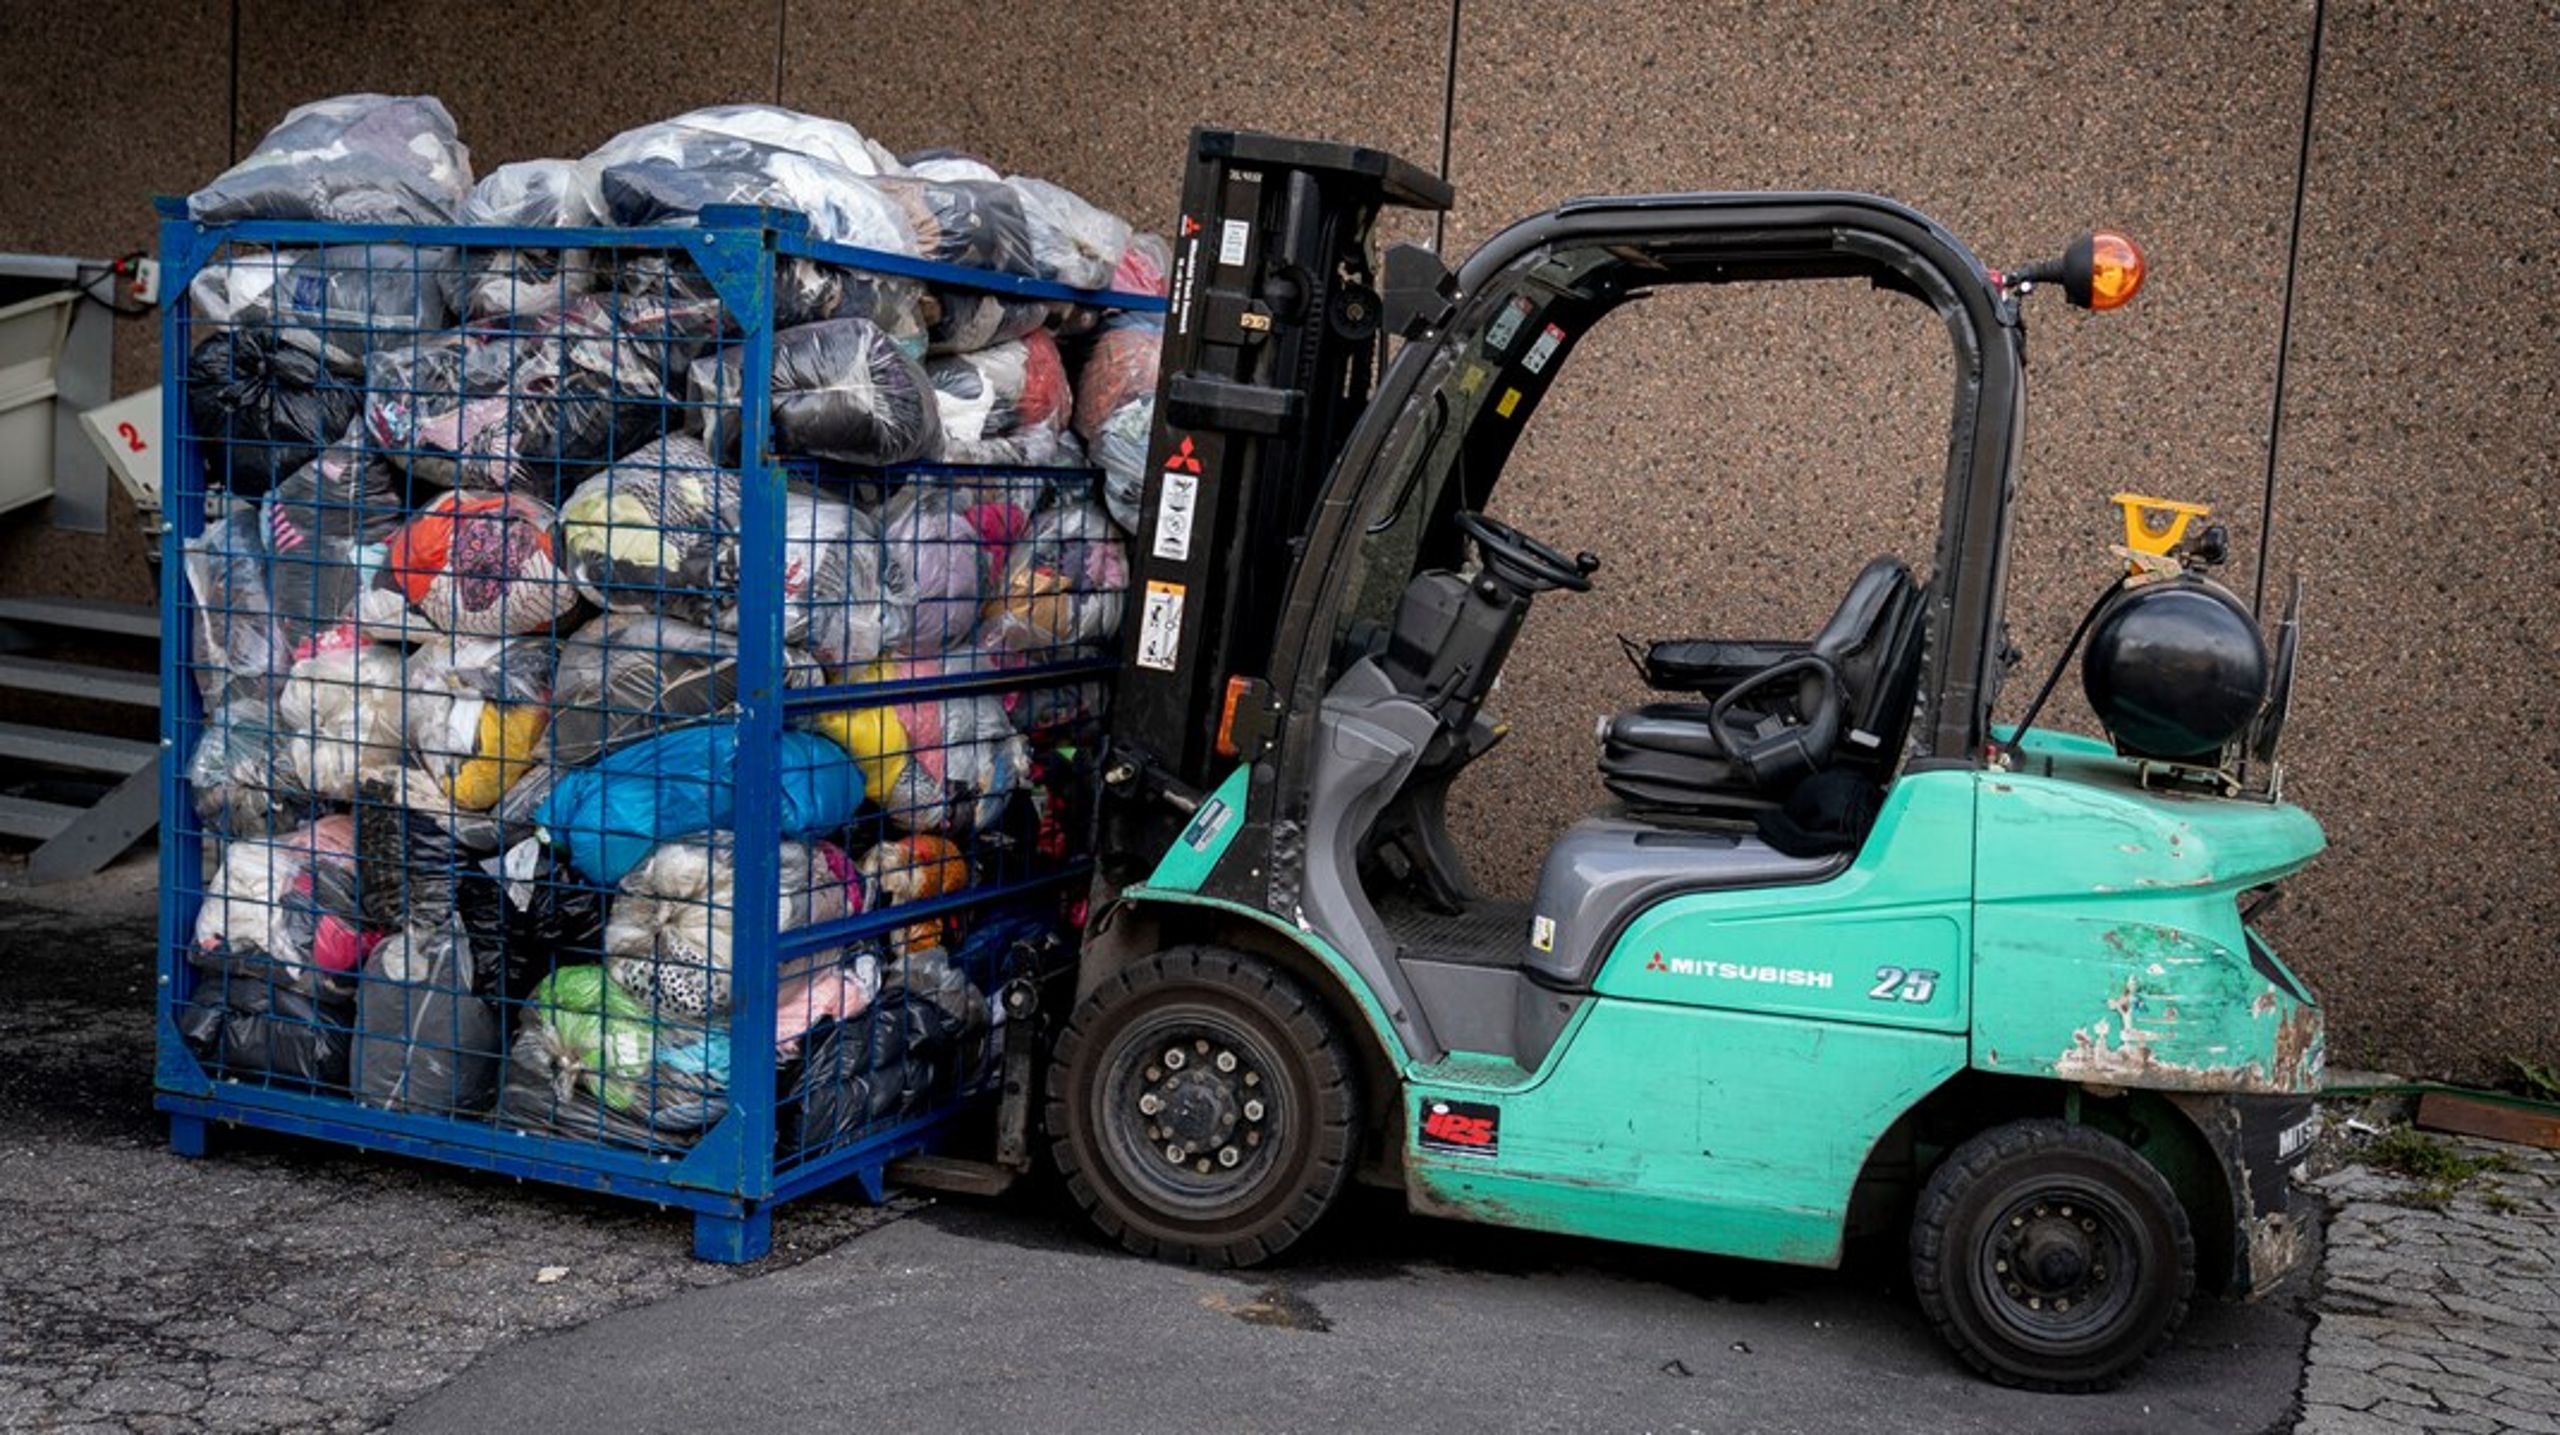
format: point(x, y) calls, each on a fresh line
point(886, 1064)
point(411, 874)
point(550, 917)
point(1072, 242)
point(356, 159)
point(843, 389)
point(835, 992)
point(656, 532)
point(341, 501)
point(357, 299)
point(945, 765)
point(261, 402)
point(669, 172)
point(343, 711)
point(591, 1064)
point(1120, 451)
point(667, 935)
point(1064, 585)
point(903, 870)
point(1120, 369)
point(478, 711)
point(423, 1040)
point(976, 223)
point(529, 194)
point(609, 816)
point(1002, 405)
point(265, 896)
point(834, 605)
point(239, 643)
point(1143, 268)
point(933, 570)
point(233, 291)
point(962, 321)
point(625, 676)
point(473, 563)
point(240, 775)
point(533, 412)
point(252, 1017)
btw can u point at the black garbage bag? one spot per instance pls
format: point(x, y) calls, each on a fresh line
point(412, 874)
point(424, 1040)
point(887, 1063)
point(262, 403)
point(553, 919)
point(252, 1017)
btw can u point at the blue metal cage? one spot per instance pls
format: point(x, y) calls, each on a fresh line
point(638, 700)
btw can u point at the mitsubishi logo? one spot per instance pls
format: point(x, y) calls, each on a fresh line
point(1657, 964)
point(1183, 460)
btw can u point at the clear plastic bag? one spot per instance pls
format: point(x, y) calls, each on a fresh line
point(670, 171)
point(933, 765)
point(1120, 451)
point(592, 1064)
point(656, 531)
point(1072, 242)
point(843, 389)
point(355, 159)
point(973, 222)
point(344, 712)
point(478, 710)
point(1003, 405)
point(358, 299)
point(472, 563)
point(667, 936)
point(529, 194)
point(344, 499)
point(1064, 584)
point(252, 1017)
point(239, 643)
point(261, 897)
point(933, 570)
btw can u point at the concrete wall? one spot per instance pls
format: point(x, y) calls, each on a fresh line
point(1736, 456)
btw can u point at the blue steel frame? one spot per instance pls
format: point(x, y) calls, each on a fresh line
point(730, 1181)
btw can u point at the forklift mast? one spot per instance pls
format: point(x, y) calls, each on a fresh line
point(1272, 345)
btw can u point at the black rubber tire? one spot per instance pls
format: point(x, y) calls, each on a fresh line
point(1316, 1085)
point(1957, 1225)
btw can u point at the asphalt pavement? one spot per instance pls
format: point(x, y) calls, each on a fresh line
point(282, 1285)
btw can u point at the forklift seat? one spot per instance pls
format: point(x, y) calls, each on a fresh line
point(1767, 715)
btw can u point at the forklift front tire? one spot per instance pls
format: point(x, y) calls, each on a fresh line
point(2051, 1256)
point(1203, 1107)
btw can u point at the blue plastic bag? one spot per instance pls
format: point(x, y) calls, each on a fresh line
point(609, 816)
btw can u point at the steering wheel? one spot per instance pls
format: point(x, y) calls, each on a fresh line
point(1527, 562)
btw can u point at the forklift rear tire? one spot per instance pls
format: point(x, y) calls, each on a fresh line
point(1203, 1107)
point(2052, 1257)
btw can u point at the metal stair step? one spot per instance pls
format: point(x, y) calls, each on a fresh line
point(80, 751)
point(125, 620)
point(79, 680)
point(37, 821)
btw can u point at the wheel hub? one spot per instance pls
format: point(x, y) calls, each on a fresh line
point(2050, 1255)
point(1201, 1104)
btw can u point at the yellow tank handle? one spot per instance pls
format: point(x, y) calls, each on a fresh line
point(2153, 526)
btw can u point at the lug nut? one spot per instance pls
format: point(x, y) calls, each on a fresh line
point(2062, 1303)
point(1253, 1078)
point(1155, 1073)
point(2001, 1266)
point(1176, 1154)
point(2066, 1213)
point(1174, 1057)
point(1150, 1104)
point(1253, 1110)
point(1226, 1061)
point(1204, 1166)
point(2035, 1302)
point(1228, 1155)
point(1201, 1046)
point(2100, 1273)
point(2087, 1224)
point(1253, 1138)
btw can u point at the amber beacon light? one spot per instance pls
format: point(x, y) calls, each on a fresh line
point(2101, 270)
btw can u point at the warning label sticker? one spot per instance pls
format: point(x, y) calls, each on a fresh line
point(1506, 325)
point(1535, 361)
point(1160, 626)
point(1232, 238)
point(1174, 506)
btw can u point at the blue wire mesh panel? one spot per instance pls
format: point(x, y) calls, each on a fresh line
point(643, 694)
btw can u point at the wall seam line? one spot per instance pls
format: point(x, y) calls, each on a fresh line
point(2284, 320)
point(1448, 123)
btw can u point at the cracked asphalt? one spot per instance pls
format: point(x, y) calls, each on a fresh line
point(285, 1285)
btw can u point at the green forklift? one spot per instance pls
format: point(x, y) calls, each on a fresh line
point(1834, 953)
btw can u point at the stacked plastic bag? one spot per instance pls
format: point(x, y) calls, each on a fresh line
point(467, 624)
